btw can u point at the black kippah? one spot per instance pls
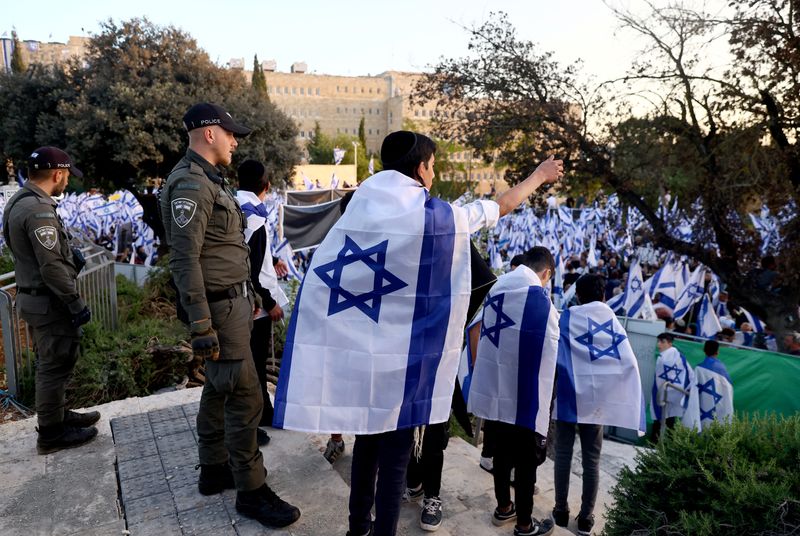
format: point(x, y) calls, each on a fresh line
point(396, 146)
point(251, 170)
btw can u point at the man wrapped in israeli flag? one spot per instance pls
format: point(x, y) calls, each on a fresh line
point(597, 384)
point(673, 369)
point(714, 387)
point(373, 344)
point(512, 383)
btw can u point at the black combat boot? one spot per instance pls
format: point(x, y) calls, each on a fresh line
point(263, 505)
point(58, 437)
point(80, 420)
point(215, 478)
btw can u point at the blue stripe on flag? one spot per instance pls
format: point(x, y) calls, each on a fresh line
point(654, 402)
point(431, 313)
point(468, 378)
point(286, 366)
point(533, 332)
point(567, 399)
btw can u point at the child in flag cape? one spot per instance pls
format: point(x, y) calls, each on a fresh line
point(667, 402)
point(597, 384)
point(373, 343)
point(714, 387)
point(512, 384)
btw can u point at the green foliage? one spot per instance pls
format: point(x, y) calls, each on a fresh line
point(17, 64)
point(362, 135)
point(259, 81)
point(732, 479)
point(118, 364)
point(449, 190)
point(118, 110)
point(320, 150)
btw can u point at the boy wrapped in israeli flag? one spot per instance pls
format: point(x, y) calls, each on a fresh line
point(373, 344)
point(672, 369)
point(512, 383)
point(597, 384)
point(714, 387)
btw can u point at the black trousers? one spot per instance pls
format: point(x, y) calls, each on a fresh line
point(427, 470)
point(591, 444)
point(384, 456)
point(259, 347)
point(488, 439)
point(523, 450)
point(655, 433)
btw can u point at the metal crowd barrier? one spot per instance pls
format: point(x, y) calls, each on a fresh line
point(97, 286)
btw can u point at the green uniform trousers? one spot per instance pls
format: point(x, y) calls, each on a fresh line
point(57, 345)
point(231, 403)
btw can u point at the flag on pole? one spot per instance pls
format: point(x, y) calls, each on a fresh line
point(307, 182)
point(707, 321)
point(692, 292)
point(634, 291)
point(334, 181)
point(671, 368)
point(715, 392)
point(515, 367)
point(598, 375)
point(375, 336)
point(371, 166)
point(338, 155)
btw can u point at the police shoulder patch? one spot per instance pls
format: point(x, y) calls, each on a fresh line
point(183, 211)
point(47, 236)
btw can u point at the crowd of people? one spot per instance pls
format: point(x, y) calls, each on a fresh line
point(375, 346)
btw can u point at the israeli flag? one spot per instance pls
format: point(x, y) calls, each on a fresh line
point(707, 320)
point(634, 291)
point(376, 330)
point(598, 375)
point(692, 292)
point(371, 166)
point(338, 155)
point(753, 320)
point(515, 367)
point(465, 363)
point(334, 181)
point(715, 391)
point(671, 368)
point(558, 283)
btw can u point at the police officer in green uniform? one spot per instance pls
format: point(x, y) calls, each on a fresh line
point(209, 263)
point(47, 295)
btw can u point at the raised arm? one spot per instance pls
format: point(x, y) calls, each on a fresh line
point(547, 172)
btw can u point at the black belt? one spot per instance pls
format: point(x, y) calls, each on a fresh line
point(42, 291)
point(239, 289)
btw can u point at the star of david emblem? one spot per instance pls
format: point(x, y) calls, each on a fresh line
point(710, 388)
point(501, 320)
point(608, 346)
point(636, 284)
point(695, 290)
point(384, 282)
point(671, 374)
point(708, 415)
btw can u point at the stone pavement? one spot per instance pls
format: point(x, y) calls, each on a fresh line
point(138, 478)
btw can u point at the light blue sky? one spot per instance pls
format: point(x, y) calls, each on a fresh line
point(346, 37)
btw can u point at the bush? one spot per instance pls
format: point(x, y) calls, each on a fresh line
point(741, 478)
point(122, 363)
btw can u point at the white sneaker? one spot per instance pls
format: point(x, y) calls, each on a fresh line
point(487, 464)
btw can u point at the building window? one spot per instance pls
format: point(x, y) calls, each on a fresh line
point(337, 110)
point(370, 132)
point(337, 89)
point(302, 91)
point(345, 89)
point(269, 90)
point(370, 111)
point(379, 132)
point(337, 131)
point(286, 90)
point(278, 90)
point(378, 111)
point(379, 91)
point(416, 113)
point(362, 90)
point(362, 111)
point(317, 91)
point(294, 91)
point(302, 133)
point(370, 90)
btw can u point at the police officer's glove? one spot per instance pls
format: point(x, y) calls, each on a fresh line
point(205, 344)
point(82, 317)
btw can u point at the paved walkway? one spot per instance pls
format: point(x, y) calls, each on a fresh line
point(140, 480)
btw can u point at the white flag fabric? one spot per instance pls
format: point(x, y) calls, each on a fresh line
point(598, 375)
point(707, 320)
point(692, 292)
point(514, 371)
point(715, 391)
point(465, 366)
point(256, 214)
point(558, 283)
point(338, 155)
point(371, 166)
point(634, 291)
point(647, 312)
point(376, 330)
point(671, 367)
point(307, 182)
point(334, 181)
